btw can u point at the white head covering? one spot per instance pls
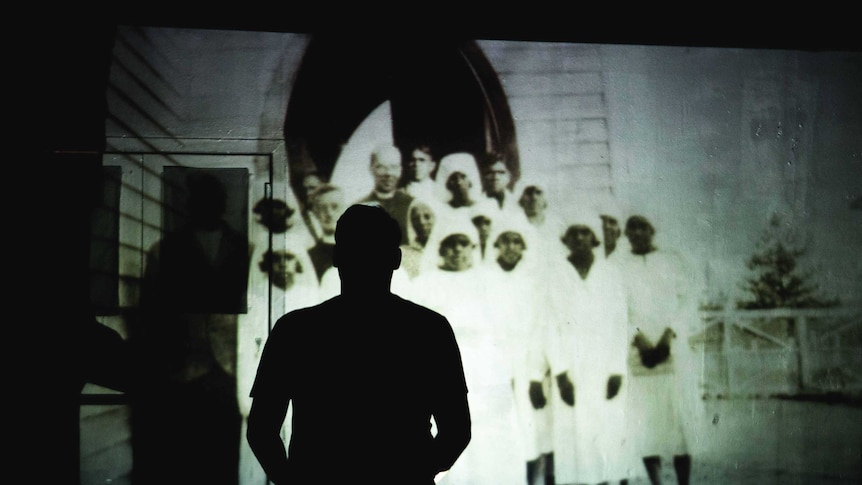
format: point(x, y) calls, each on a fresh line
point(444, 228)
point(520, 225)
point(530, 180)
point(435, 209)
point(458, 162)
point(584, 218)
point(608, 205)
point(551, 207)
point(513, 224)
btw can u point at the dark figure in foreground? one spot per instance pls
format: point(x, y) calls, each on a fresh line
point(364, 372)
point(186, 421)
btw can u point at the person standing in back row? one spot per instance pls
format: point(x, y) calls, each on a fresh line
point(365, 372)
point(386, 169)
point(497, 184)
point(327, 205)
point(419, 170)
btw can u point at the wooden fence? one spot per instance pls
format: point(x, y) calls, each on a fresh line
point(780, 351)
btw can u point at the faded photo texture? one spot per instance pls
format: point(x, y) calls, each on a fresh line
point(643, 250)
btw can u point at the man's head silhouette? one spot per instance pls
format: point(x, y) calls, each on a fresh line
point(367, 246)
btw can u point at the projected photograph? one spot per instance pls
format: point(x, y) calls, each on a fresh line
point(648, 254)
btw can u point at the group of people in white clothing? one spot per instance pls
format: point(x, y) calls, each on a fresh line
point(573, 348)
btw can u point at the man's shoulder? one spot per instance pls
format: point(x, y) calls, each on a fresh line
point(419, 312)
point(412, 305)
point(305, 315)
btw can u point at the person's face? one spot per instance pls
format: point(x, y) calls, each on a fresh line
point(459, 184)
point(640, 235)
point(496, 177)
point(533, 201)
point(310, 183)
point(280, 213)
point(579, 239)
point(422, 219)
point(420, 166)
point(285, 266)
point(610, 230)
point(386, 171)
point(327, 208)
point(276, 217)
point(457, 253)
point(510, 246)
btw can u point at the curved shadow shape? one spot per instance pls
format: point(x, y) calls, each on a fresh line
point(444, 92)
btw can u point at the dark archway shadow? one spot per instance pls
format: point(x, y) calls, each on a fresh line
point(444, 92)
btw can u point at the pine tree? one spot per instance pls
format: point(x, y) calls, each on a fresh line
point(776, 280)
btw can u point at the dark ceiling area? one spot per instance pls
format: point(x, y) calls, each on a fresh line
point(718, 25)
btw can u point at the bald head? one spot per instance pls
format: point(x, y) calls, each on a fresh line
point(386, 168)
point(385, 154)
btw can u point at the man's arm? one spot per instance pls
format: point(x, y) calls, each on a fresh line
point(453, 433)
point(450, 408)
point(264, 436)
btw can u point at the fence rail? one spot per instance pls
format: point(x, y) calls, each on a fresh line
point(780, 351)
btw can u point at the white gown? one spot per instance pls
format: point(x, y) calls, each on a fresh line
point(518, 300)
point(659, 291)
point(589, 343)
point(492, 457)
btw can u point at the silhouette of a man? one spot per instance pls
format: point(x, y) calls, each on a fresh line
point(364, 372)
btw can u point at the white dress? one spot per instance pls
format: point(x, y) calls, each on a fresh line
point(518, 298)
point(659, 291)
point(589, 343)
point(553, 251)
point(492, 457)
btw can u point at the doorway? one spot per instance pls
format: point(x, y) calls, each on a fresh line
point(444, 93)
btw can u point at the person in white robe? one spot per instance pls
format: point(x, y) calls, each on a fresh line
point(421, 219)
point(519, 289)
point(457, 287)
point(661, 309)
point(420, 167)
point(549, 224)
point(497, 183)
point(611, 212)
point(460, 188)
point(587, 344)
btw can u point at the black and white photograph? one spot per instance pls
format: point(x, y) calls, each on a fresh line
point(645, 254)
